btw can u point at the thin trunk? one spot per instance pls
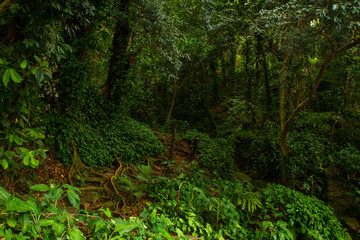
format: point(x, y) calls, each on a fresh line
point(247, 71)
point(282, 93)
point(266, 80)
point(175, 91)
point(173, 138)
point(172, 102)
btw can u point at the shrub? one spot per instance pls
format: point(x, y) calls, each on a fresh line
point(306, 217)
point(216, 155)
point(100, 142)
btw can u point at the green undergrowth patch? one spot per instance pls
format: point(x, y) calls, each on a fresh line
point(100, 141)
point(192, 205)
point(43, 219)
point(216, 155)
point(222, 209)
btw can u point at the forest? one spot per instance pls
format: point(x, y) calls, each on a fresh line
point(180, 119)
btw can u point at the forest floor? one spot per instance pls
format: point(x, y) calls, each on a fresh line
point(98, 190)
point(98, 186)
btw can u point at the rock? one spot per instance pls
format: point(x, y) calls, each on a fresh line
point(242, 176)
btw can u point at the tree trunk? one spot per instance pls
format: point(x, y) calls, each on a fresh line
point(172, 102)
point(282, 142)
point(266, 79)
point(119, 65)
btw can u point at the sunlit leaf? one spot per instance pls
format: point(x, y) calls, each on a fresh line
point(122, 228)
point(58, 229)
point(76, 234)
point(4, 195)
point(23, 64)
point(6, 77)
point(5, 164)
point(40, 187)
point(15, 76)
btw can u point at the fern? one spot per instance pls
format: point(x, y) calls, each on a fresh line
point(249, 201)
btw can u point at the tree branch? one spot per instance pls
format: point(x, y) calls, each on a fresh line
point(4, 6)
point(317, 82)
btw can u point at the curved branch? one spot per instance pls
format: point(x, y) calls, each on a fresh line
point(317, 82)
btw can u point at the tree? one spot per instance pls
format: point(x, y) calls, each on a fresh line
point(295, 26)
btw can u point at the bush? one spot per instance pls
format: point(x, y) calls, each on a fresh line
point(222, 209)
point(100, 142)
point(305, 217)
point(216, 155)
point(259, 149)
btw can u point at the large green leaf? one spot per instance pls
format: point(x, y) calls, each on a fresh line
point(76, 234)
point(6, 77)
point(4, 195)
point(26, 160)
point(15, 76)
point(73, 198)
point(46, 222)
point(11, 222)
point(40, 187)
point(122, 228)
point(58, 229)
point(17, 205)
point(5, 164)
point(99, 225)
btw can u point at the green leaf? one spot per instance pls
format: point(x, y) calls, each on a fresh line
point(5, 164)
point(99, 225)
point(26, 160)
point(39, 75)
point(33, 70)
point(73, 198)
point(37, 59)
point(6, 77)
point(43, 153)
point(34, 162)
point(122, 228)
point(46, 222)
point(58, 229)
point(17, 205)
point(107, 212)
point(4, 195)
point(15, 76)
point(11, 222)
point(45, 64)
point(40, 187)
point(76, 234)
point(23, 64)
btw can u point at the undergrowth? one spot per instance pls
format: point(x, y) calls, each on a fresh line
point(185, 205)
point(100, 142)
point(216, 155)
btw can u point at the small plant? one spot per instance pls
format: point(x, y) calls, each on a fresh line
point(42, 219)
point(136, 189)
